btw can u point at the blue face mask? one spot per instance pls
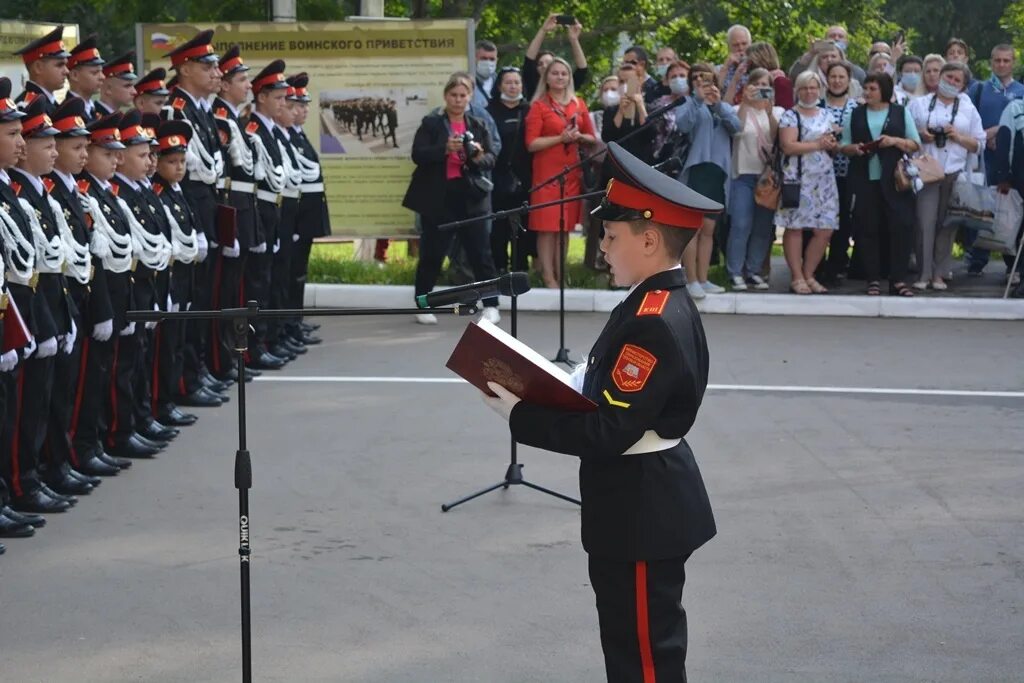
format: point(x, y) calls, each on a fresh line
point(841, 44)
point(679, 86)
point(910, 81)
point(947, 89)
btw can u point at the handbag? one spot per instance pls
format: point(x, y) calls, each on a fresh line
point(479, 185)
point(768, 189)
point(972, 203)
point(929, 169)
point(790, 188)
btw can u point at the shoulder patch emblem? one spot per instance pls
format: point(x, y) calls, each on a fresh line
point(252, 127)
point(16, 186)
point(48, 184)
point(114, 189)
point(221, 113)
point(158, 188)
point(224, 137)
point(30, 97)
point(654, 302)
point(178, 103)
point(83, 186)
point(633, 368)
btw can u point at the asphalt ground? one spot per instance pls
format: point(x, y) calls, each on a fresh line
point(862, 537)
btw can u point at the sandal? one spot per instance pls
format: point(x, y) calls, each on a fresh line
point(901, 289)
point(817, 287)
point(799, 287)
point(874, 288)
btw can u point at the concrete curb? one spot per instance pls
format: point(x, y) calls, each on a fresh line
point(746, 303)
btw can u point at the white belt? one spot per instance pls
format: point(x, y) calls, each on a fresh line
point(46, 270)
point(311, 187)
point(19, 280)
point(650, 442)
point(198, 180)
point(290, 192)
point(267, 196)
point(242, 186)
point(220, 183)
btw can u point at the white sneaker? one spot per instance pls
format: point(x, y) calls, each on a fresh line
point(491, 315)
point(695, 290)
point(1014, 278)
point(738, 283)
point(921, 285)
point(759, 282)
point(712, 288)
point(939, 285)
point(426, 318)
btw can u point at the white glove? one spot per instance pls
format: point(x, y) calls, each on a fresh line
point(47, 348)
point(260, 248)
point(576, 377)
point(213, 245)
point(203, 245)
point(170, 303)
point(175, 308)
point(8, 361)
point(30, 349)
point(103, 331)
point(151, 324)
point(234, 251)
point(277, 246)
point(69, 338)
point(295, 237)
point(128, 330)
point(503, 403)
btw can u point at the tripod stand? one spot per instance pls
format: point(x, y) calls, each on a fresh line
point(240, 319)
point(514, 473)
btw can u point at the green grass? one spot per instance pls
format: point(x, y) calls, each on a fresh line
point(334, 262)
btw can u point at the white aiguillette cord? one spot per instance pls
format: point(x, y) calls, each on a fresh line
point(153, 250)
point(184, 247)
point(113, 248)
point(19, 250)
point(77, 261)
point(49, 250)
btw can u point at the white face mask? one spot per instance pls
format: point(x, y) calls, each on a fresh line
point(808, 104)
point(947, 89)
point(661, 69)
point(485, 68)
point(679, 86)
point(610, 98)
point(511, 98)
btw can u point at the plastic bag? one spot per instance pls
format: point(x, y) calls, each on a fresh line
point(1008, 215)
point(972, 203)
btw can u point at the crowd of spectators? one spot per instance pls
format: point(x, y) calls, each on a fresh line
point(833, 134)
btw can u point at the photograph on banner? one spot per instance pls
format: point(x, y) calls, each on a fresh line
point(371, 84)
point(15, 35)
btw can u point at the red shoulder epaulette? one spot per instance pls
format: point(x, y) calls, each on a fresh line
point(48, 184)
point(30, 97)
point(224, 136)
point(83, 186)
point(221, 113)
point(16, 186)
point(158, 188)
point(114, 188)
point(252, 127)
point(178, 103)
point(654, 302)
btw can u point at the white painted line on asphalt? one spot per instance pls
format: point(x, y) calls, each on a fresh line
point(793, 389)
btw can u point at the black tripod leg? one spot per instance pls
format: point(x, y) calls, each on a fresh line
point(549, 492)
point(448, 506)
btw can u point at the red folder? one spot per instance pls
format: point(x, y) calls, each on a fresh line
point(486, 353)
point(16, 335)
point(227, 224)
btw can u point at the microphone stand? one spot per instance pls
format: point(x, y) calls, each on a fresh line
point(240, 319)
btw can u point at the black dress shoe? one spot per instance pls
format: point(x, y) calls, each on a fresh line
point(3, 549)
point(147, 442)
point(214, 384)
point(133, 448)
point(223, 398)
point(38, 521)
point(250, 373)
point(175, 416)
point(89, 479)
point(39, 503)
point(69, 486)
point(173, 431)
point(11, 529)
point(95, 467)
point(113, 461)
point(309, 339)
point(266, 361)
point(282, 352)
point(309, 327)
point(294, 346)
point(154, 431)
point(65, 497)
point(200, 398)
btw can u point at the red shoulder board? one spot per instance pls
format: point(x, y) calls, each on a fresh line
point(30, 97)
point(158, 188)
point(178, 103)
point(632, 368)
point(654, 302)
point(83, 186)
point(225, 138)
point(88, 221)
point(16, 186)
point(114, 189)
point(221, 113)
point(48, 184)
point(252, 127)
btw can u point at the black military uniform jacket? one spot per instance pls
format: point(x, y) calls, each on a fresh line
point(647, 371)
point(268, 212)
point(175, 200)
point(31, 92)
point(101, 109)
point(243, 202)
point(92, 300)
point(40, 324)
point(116, 286)
point(150, 286)
point(53, 299)
point(314, 219)
point(203, 195)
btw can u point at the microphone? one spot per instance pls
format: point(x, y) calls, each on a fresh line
point(509, 284)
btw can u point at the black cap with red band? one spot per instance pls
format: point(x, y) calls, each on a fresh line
point(174, 136)
point(638, 192)
point(231, 62)
point(8, 108)
point(152, 83)
point(85, 54)
point(69, 118)
point(270, 78)
point(37, 123)
point(105, 132)
point(132, 130)
point(50, 46)
point(123, 67)
point(300, 84)
point(198, 49)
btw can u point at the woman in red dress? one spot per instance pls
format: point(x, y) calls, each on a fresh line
point(556, 125)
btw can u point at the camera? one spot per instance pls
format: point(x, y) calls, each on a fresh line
point(941, 137)
point(565, 20)
point(765, 93)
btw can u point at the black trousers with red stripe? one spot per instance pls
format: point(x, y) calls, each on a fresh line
point(90, 415)
point(59, 454)
point(643, 623)
point(168, 364)
point(8, 387)
point(142, 382)
point(228, 274)
point(123, 370)
point(34, 390)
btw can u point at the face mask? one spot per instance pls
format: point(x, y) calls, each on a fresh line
point(808, 104)
point(947, 89)
point(910, 81)
point(511, 98)
point(679, 86)
point(841, 44)
point(610, 98)
point(662, 69)
point(485, 68)
point(838, 94)
point(889, 69)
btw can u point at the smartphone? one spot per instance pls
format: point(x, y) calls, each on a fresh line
point(565, 20)
point(898, 38)
point(765, 93)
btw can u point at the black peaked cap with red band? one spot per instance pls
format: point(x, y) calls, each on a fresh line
point(150, 123)
point(638, 192)
point(199, 49)
point(85, 54)
point(300, 82)
point(132, 130)
point(37, 123)
point(152, 83)
point(123, 67)
point(8, 109)
point(174, 136)
point(106, 132)
point(231, 61)
point(69, 118)
point(270, 78)
point(50, 46)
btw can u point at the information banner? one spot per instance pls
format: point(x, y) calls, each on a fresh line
point(15, 35)
point(372, 82)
